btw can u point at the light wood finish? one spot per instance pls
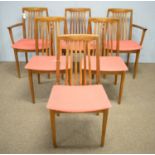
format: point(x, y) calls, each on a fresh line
point(104, 124)
point(30, 75)
point(27, 26)
point(108, 31)
point(125, 16)
point(46, 29)
point(126, 29)
point(29, 14)
point(121, 87)
point(77, 52)
point(72, 50)
point(77, 20)
point(17, 63)
point(52, 118)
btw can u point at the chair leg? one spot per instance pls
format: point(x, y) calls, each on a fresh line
point(121, 87)
point(128, 59)
point(38, 78)
point(31, 86)
point(17, 63)
point(104, 124)
point(26, 57)
point(115, 82)
point(136, 64)
point(52, 117)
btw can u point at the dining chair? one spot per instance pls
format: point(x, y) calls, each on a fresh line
point(77, 93)
point(110, 61)
point(127, 44)
point(27, 43)
point(46, 30)
point(77, 20)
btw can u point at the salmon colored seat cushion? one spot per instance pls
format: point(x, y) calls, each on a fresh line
point(26, 44)
point(128, 45)
point(125, 45)
point(88, 98)
point(45, 63)
point(108, 64)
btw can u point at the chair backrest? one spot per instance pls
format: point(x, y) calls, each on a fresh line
point(126, 18)
point(46, 31)
point(108, 31)
point(77, 20)
point(29, 14)
point(78, 55)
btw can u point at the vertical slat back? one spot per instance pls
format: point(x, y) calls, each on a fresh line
point(78, 53)
point(77, 20)
point(108, 31)
point(125, 16)
point(46, 31)
point(29, 14)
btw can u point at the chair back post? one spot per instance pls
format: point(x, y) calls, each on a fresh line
point(46, 31)
point(78, 52)
point(76, 20)
point(126, 18)
point(29, 15)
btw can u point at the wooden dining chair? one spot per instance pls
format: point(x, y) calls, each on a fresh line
point(77, 20)
point(70, 96)
point(110, 61)
point(27, 43)
point(127, 44)
point(46, 31)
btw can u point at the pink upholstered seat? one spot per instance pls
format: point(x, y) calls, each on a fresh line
point(26, 44)
point(88, 98)
point(108, 64)
point(45, 63)
point(128, 45)
point(125, 45)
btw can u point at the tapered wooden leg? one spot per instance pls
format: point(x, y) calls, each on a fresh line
point(26, 57)
point(136, 64)
point(31, 86)
point(38, 78)
point(17, 63)
point(115, 82)
point(121, 87)
point(128, 59)
point(104, 125)
point(52, 117)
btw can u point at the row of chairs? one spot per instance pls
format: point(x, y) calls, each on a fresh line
point(44, 45)
point(78, 58)
point(76, 22)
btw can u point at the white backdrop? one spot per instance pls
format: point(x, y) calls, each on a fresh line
point(144, 14)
